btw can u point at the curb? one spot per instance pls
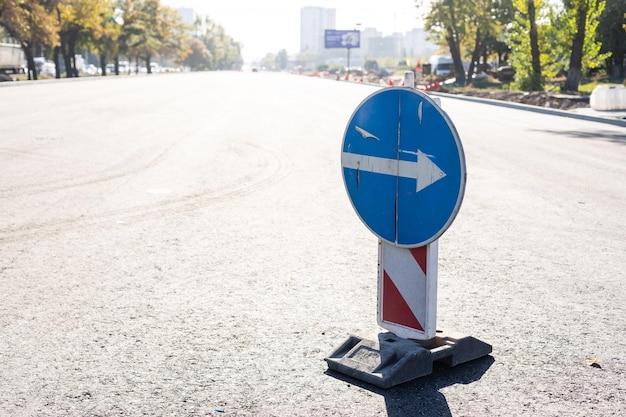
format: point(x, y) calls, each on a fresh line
point(536, 109)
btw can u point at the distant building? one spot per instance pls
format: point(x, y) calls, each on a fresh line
point(382, 47)
point(416, 44)
point(313, 22)
point(369, 37)
point(367, 34)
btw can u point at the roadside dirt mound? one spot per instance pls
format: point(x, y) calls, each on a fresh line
point(542, 99)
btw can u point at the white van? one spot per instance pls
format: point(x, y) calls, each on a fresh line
point(441, 64)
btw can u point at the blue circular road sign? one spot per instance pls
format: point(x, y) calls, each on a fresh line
point(403, 166)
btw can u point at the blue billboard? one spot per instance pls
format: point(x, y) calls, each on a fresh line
point(342, 38)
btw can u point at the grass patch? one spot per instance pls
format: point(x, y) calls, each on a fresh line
point(587, 87)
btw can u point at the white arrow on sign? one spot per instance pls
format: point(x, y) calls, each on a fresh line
point(424, 171)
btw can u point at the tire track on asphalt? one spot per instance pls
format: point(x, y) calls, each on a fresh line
point(114, 172)
point(268, 168)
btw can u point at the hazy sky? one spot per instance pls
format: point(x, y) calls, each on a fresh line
point(264, 26)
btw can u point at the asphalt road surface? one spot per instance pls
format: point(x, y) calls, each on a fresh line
point(182, 245)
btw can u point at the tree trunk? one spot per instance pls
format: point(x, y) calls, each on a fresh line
point(103, 64)
point(537, 83)
point(68, 65)
point(615, 65)
point(576, 58)
point(148, 66)
point(28, 50)
point(456, 56)
point(573, 79)
point(30, 61)
point(72, 53)
point(475, 56)
point(453, 44)
point(57, 63)
point(116, 62)
point(66, 55)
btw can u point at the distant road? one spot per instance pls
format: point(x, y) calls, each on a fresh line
point(182, 244)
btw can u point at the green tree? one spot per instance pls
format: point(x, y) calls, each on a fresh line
point(584, 16)
point(471, 30)
point(446, 22)
point(199, 57)
point(495, 42)
point(78, 20)
point(176, 36)
point(487, 26)
point(224, 53)
point(146, 38)
point(562, 39)
point(104, 39)
point(524, 40)
point(132, 27)
point(31, 23)
point(612, 35)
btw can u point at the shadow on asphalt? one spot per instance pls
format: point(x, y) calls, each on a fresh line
point(421, 397)
point(594, 135)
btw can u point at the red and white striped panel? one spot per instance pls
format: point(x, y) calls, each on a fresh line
point(407, 290)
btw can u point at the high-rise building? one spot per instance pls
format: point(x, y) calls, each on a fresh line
point(416, 43)
point(374, 45)
point(313, 22)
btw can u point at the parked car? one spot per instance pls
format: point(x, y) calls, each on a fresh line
point(44, 67)
point(505, 73)
point(124, 67)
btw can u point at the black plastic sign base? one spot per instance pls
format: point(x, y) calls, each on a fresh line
point(391, 360)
